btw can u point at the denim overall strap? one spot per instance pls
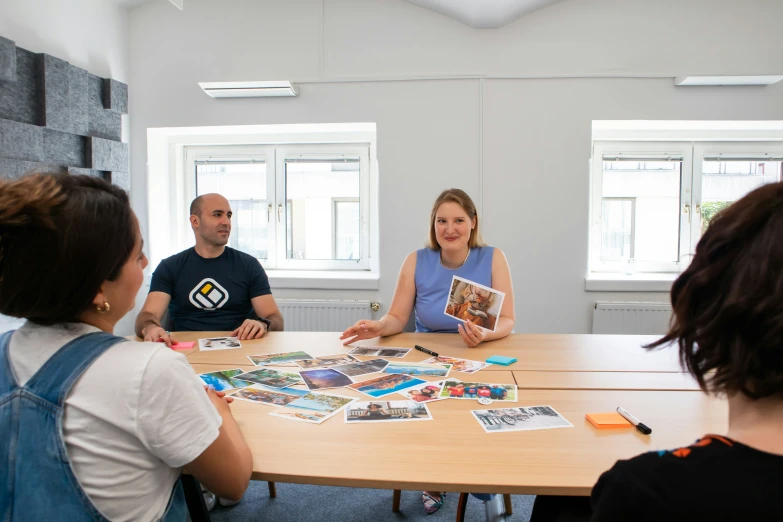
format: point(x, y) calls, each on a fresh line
point(55, 378)
point(7, 379)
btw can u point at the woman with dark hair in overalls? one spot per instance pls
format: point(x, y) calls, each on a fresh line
point(95, 427)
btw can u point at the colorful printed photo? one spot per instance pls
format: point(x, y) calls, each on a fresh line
point(391, 411)
point(313, 407)
point(454, 389)
point(427, 392)
point(386, 384)
point(469, 301)
point(520, 419)
point(428, 370)
point(323, 378)
point(458, 365)
point(273, 378)
point(362, 367)
point(380, 351)
point(223, 380)
point(268, 395)
point(278, 358)
point(218, 343)
point(327, 361)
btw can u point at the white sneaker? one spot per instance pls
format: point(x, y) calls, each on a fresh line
point(209, 500)
point(495, 509)
point(225, 502)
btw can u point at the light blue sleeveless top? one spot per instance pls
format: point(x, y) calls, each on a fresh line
point(433, 282)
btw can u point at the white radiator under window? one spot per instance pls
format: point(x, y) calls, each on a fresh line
point(631, 318)
point(322, 315)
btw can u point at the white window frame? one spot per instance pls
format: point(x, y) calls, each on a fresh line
point(659, 151)
point(275, 156)
point(335, 201)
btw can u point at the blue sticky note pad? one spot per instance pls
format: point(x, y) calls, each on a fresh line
point(499, 359)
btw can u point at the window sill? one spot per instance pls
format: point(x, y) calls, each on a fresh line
point(605, 282)
point(323, 280)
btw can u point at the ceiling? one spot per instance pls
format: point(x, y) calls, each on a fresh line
point(480, 14)
point(483, 14)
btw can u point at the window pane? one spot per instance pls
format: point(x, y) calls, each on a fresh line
point(244, 186)
point(313, 190)
point(654, 188)
point(347, 231)
point(724, 182)
point(616, 229)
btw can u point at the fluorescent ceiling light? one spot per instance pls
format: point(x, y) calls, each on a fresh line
point(726, 80)
point(248, 89)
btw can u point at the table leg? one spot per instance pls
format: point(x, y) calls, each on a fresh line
point(396, 501)
point(272, 489)
point(507, 504)
point(194, 498)
point(462, 505)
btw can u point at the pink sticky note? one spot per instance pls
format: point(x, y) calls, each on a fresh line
point(181, 345)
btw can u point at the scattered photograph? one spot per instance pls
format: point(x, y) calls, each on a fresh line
point(380, 351)
point(390, 411)
point(458, 365)
point(471, 302)
point(323, 378)
point(218, 343)
point(268, 395)
point(362, 367)
point(520, 419)
point(327, 361)
point(427, 392)
point(454, 389)
point(429, 370)
point(386, 384)
point(313, 407)
point(278, 358)
point(273, 378)
point(223, 380)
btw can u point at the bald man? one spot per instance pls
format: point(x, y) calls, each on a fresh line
point(210, 287)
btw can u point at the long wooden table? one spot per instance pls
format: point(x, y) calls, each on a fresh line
point(452, 452)
point(534, 352)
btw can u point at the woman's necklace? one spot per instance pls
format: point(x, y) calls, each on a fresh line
point(440, 257)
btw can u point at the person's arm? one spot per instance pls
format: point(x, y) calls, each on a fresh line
point(263, 304)
point(399, 311)
point(501, 280)
point(148, 321)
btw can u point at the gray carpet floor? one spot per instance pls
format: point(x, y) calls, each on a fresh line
point(302, 503)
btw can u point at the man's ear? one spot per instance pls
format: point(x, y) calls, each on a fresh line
point(194, 221)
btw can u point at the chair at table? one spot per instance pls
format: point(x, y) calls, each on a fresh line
point(462, 504)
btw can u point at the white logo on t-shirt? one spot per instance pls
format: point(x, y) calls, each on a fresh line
point(208, 295)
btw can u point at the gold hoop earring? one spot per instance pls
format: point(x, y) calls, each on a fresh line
point(103, 309)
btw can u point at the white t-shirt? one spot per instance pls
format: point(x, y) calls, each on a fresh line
point(136, 416)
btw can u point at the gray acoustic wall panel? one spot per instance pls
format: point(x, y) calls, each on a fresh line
point(107, 155)
point(54, 93)
point(18, 99)
point(7, 60)
point(21, 141)
point(57, 117)
point(115, 96)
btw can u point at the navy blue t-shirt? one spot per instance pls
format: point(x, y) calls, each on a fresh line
point(210, 294)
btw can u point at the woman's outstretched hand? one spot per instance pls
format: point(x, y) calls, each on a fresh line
point(362, 330)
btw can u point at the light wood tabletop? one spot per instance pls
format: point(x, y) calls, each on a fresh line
point(453, 453)
point(567, 353)
point(667, 381)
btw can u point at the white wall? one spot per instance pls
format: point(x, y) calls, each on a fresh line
point(521, 150)
point(91, 34)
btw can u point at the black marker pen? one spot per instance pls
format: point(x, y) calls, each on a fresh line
point(633, 420)
point(423, 349)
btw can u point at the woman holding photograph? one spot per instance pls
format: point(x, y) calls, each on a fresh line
point(92, 422)
point(425, 280)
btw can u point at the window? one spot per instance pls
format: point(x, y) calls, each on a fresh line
point(296, 207)
point(651, 202)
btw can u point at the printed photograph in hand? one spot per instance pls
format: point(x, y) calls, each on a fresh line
point(391, 411)
point(223, 380)
point(471, 302)
point(453, 389)
point(273, 378)
point(313, 407)
point(427, 392)
point(327, 361)
point(520, 419)
point(322, 378)
point(268, 395)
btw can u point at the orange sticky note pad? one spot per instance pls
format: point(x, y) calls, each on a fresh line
point(605, 421)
